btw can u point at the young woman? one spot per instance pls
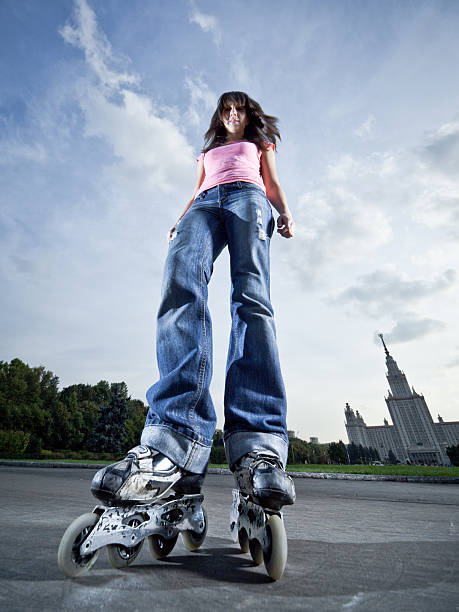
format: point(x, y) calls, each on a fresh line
point(236, 185)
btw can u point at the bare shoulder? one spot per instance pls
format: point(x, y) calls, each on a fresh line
point(268, 159)
point(269, 151)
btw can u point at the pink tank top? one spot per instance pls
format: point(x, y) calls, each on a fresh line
point(236, 161)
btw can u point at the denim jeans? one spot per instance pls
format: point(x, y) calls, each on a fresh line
point(181, 420)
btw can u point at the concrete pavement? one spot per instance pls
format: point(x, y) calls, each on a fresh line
point(353, 545)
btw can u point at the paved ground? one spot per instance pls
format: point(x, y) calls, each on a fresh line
point(365, 546)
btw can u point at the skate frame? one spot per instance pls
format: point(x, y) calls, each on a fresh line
point(164, 517)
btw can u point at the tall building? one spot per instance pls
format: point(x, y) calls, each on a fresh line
point(414, 436)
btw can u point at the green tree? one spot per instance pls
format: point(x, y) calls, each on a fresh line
point(135, 422)
point(217, 438)
point(374, 454)
point(343, 452)
point(78, 412)
point(33, 449)
point(28, 397)
point(99, 393)
point(353, 452)
point(13, 443)
point(110, 432)
point(337, 452)
point(317, 453)
point(453, 454)
point(217, 453)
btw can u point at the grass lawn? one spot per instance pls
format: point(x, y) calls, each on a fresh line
point(398, 470)
point(97, 461)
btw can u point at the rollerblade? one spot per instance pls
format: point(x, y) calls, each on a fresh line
point(145, 496)
point(255, 520)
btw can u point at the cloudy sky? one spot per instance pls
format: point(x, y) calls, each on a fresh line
point(103, 107)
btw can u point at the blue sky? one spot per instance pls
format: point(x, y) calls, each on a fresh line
point(103, 106)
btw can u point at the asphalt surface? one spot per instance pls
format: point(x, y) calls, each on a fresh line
point(353, 545)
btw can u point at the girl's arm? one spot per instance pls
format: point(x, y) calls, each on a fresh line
point(275, 194)
point(200, 175)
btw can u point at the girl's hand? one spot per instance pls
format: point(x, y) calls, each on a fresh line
point(170, 235)
point(286, 225)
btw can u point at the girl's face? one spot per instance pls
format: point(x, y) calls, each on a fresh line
point(234, 119)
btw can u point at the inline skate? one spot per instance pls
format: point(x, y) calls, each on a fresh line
point(256, 520)
point(144, 496)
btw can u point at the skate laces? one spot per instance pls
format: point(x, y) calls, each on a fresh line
point(267, 458)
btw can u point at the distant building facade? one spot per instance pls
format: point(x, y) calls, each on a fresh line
point(413, 437)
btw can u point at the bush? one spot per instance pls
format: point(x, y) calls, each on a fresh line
point(217, 455)
point(13, 443)
point(33, 450)
point(453, 454)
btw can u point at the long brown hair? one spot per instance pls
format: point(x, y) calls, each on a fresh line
point(260, 127)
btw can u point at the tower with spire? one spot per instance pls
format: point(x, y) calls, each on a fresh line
point(413, 437)
point(411, 417)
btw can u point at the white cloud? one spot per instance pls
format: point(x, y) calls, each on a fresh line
point(151, 148)
point(424, 181)
point(89, 233)
point(351, 170)
point(241, 73)
point(453, 363)
point(151, 151)
point(363, 202)
point(435, 180)
point(365, 131)
point(202, 99)
point(13, 150)
point(388, 293)
point(85, 34)
point(412, 327)
point(436, 203)
point(335, 226)
point(441, 150)
point(439, 257)
point(209, 23)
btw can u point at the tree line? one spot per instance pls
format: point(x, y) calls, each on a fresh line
point(300, 451)
point(36, 419)
point(36, 415)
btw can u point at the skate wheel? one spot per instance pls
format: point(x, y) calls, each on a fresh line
point(275, 554)
point(160, 546)
point(122, 556)
point(256, 552)
point(243, 540)
point(70, 561)
point(193, 540)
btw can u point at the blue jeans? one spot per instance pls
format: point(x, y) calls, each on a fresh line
point(181, 420)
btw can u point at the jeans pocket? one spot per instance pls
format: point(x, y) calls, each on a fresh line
point(271, 226)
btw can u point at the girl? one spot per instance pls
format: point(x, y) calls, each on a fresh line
point(236, 184)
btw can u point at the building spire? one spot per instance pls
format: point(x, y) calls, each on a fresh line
point(397, 379)
point(384, 344)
